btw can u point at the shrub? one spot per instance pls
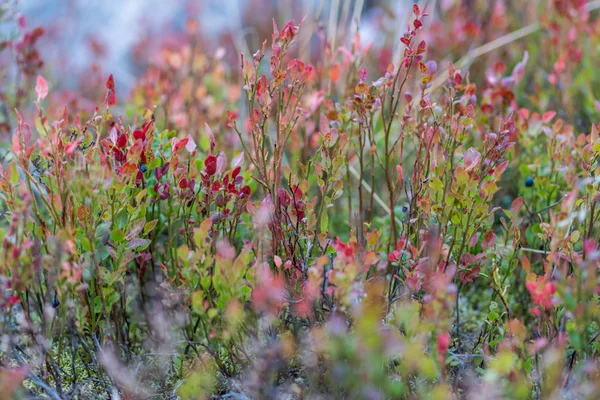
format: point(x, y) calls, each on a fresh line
point(298, 230)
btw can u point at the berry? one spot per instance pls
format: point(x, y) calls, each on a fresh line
point(529, 181)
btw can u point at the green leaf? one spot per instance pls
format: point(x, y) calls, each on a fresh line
point(117, 235)
point(246, 292)
point(205, 283)
point(455, 219)
point(112, 298)
point(149, 226)
point(101, 230)
point(97, 304)
point(197, 302)
point(140, 196)
point(527, 365)
point(324, 222)
point(436, 184)
point(14, 173)
point(85, 243)
point(213, 312)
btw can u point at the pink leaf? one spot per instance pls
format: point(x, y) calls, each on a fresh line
point(191, 145)
point(519, 70)
point(472, 158)
point(324, 125)
point(237, 160)
point(221, 163)
point(16, 144)
point(113, 135)
point(399, 169)
point(548, 116)
point(516, 205)
point(362, 74)
point(41, 88)
point(296, 68)
point(71, 147)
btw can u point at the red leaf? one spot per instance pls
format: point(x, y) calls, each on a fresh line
point(12, 300)
point(489, 240)
point(245, 191)
point(210, 165)
point(458, 78)
point(261, 86)
point(111, 95)
point(179, 144)
point(443, 343)
point(139, 134)
point(110, 83)
point(416, 10)
point(122, 141)
point(288, 31)
point(231, 116)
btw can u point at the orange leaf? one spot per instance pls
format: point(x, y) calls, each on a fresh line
point(128, 168)
point(334, 73)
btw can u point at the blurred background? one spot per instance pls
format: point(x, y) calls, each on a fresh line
point(123, 36)
point(111, 32)
point(142, 42)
